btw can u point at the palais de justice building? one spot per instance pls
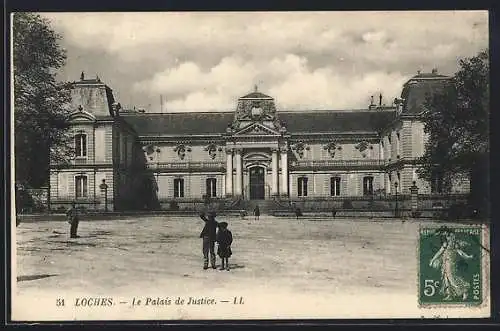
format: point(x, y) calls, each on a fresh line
point(254, 152)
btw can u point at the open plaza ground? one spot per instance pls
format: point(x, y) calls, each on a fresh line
point(281, 267)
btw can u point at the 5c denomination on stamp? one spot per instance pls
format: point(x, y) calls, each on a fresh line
point(450, 267)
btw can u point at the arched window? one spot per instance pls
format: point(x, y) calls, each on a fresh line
point(81, 188)
point(302, 186)
point(335, 186)
point(368, 185)
point(178, 187)
point(81, 145)
point(211, 187)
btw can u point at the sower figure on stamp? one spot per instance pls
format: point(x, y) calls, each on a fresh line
point(208, 234)
point(72, 216)
point(224, 239)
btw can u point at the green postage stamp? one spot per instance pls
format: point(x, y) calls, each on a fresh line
point(450, 265)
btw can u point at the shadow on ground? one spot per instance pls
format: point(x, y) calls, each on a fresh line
point(32, 277)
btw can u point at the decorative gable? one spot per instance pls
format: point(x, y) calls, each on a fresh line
point(82, 116)
point(257, 129)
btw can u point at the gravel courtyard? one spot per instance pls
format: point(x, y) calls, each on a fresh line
point(282, 268)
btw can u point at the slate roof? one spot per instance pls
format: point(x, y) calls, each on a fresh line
point(214, 123)
point(179, 123)
point(417, 91)
point(335, 120)
point(256, 95)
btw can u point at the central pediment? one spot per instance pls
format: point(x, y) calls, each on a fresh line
point(257, 129)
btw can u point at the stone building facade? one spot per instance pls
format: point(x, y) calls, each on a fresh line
point(255, 152)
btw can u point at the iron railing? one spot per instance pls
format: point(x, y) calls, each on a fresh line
point(336, 163)
point(213, 165)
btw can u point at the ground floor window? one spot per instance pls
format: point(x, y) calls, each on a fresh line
point(335, 186)
point(178, 187)
point(302, 186)
point(211, 187)
point(368, 185)
point(81, 188)
point(437, 182)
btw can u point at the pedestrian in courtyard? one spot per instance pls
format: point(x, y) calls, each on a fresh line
point(208, 234)
point(256, 212)
point(334, 212)
point(73, 219)
point(224, 239)
point(298, 212)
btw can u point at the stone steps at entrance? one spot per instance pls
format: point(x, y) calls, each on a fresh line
point(264, 206)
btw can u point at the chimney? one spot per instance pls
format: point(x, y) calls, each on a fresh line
point(82, 76)
point(380, 100)
point(435, 71)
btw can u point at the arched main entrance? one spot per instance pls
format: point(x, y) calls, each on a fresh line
point(257, 183)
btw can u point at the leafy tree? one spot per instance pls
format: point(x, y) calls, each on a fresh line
point(40, 102)
point(457, 125)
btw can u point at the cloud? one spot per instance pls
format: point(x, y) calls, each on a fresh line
point(205, 60)
point(289, 79)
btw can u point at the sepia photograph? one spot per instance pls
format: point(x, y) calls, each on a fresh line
point(250, 165)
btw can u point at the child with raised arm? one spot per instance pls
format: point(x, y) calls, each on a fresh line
point(208, 234)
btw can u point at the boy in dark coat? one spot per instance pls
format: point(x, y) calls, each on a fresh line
point(256, 212)
point(225, 239)
point(209, 237)
point(298, 212)
point(72, 216)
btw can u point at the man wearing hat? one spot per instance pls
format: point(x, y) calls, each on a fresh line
point(208, 234)
point(72, 216)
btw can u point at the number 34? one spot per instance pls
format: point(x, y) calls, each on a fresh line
point(430, 286)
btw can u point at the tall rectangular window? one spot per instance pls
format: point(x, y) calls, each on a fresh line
point(368, 185)
point(302, 186)
point(398, 144)
point(81, 186)
point(437, 182)
point(335, 186)
point(179, 187)
point(211, 187)
point(81, 145)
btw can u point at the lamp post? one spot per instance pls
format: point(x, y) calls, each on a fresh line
point(104, 188)
point(396, 205)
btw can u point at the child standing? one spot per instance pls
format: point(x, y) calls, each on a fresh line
point(256, 212)
point(225, 239)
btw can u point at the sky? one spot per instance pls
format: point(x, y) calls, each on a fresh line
point(204, 61)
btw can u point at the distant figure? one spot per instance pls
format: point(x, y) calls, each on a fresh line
point(256, 212)
point(18, 220)
point(243, 213)
point(225, 239)
point(334, 212)
point(298, 212)
point(209, 237)
point(73, 219)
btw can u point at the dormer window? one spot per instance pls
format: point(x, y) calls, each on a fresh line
point(81, 145)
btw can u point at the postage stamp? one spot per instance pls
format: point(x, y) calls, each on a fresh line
point(450, 265)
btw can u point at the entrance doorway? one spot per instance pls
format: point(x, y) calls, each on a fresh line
point(257, 183)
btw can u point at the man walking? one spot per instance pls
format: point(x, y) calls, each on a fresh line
point(208, 234)
point(72, 216)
